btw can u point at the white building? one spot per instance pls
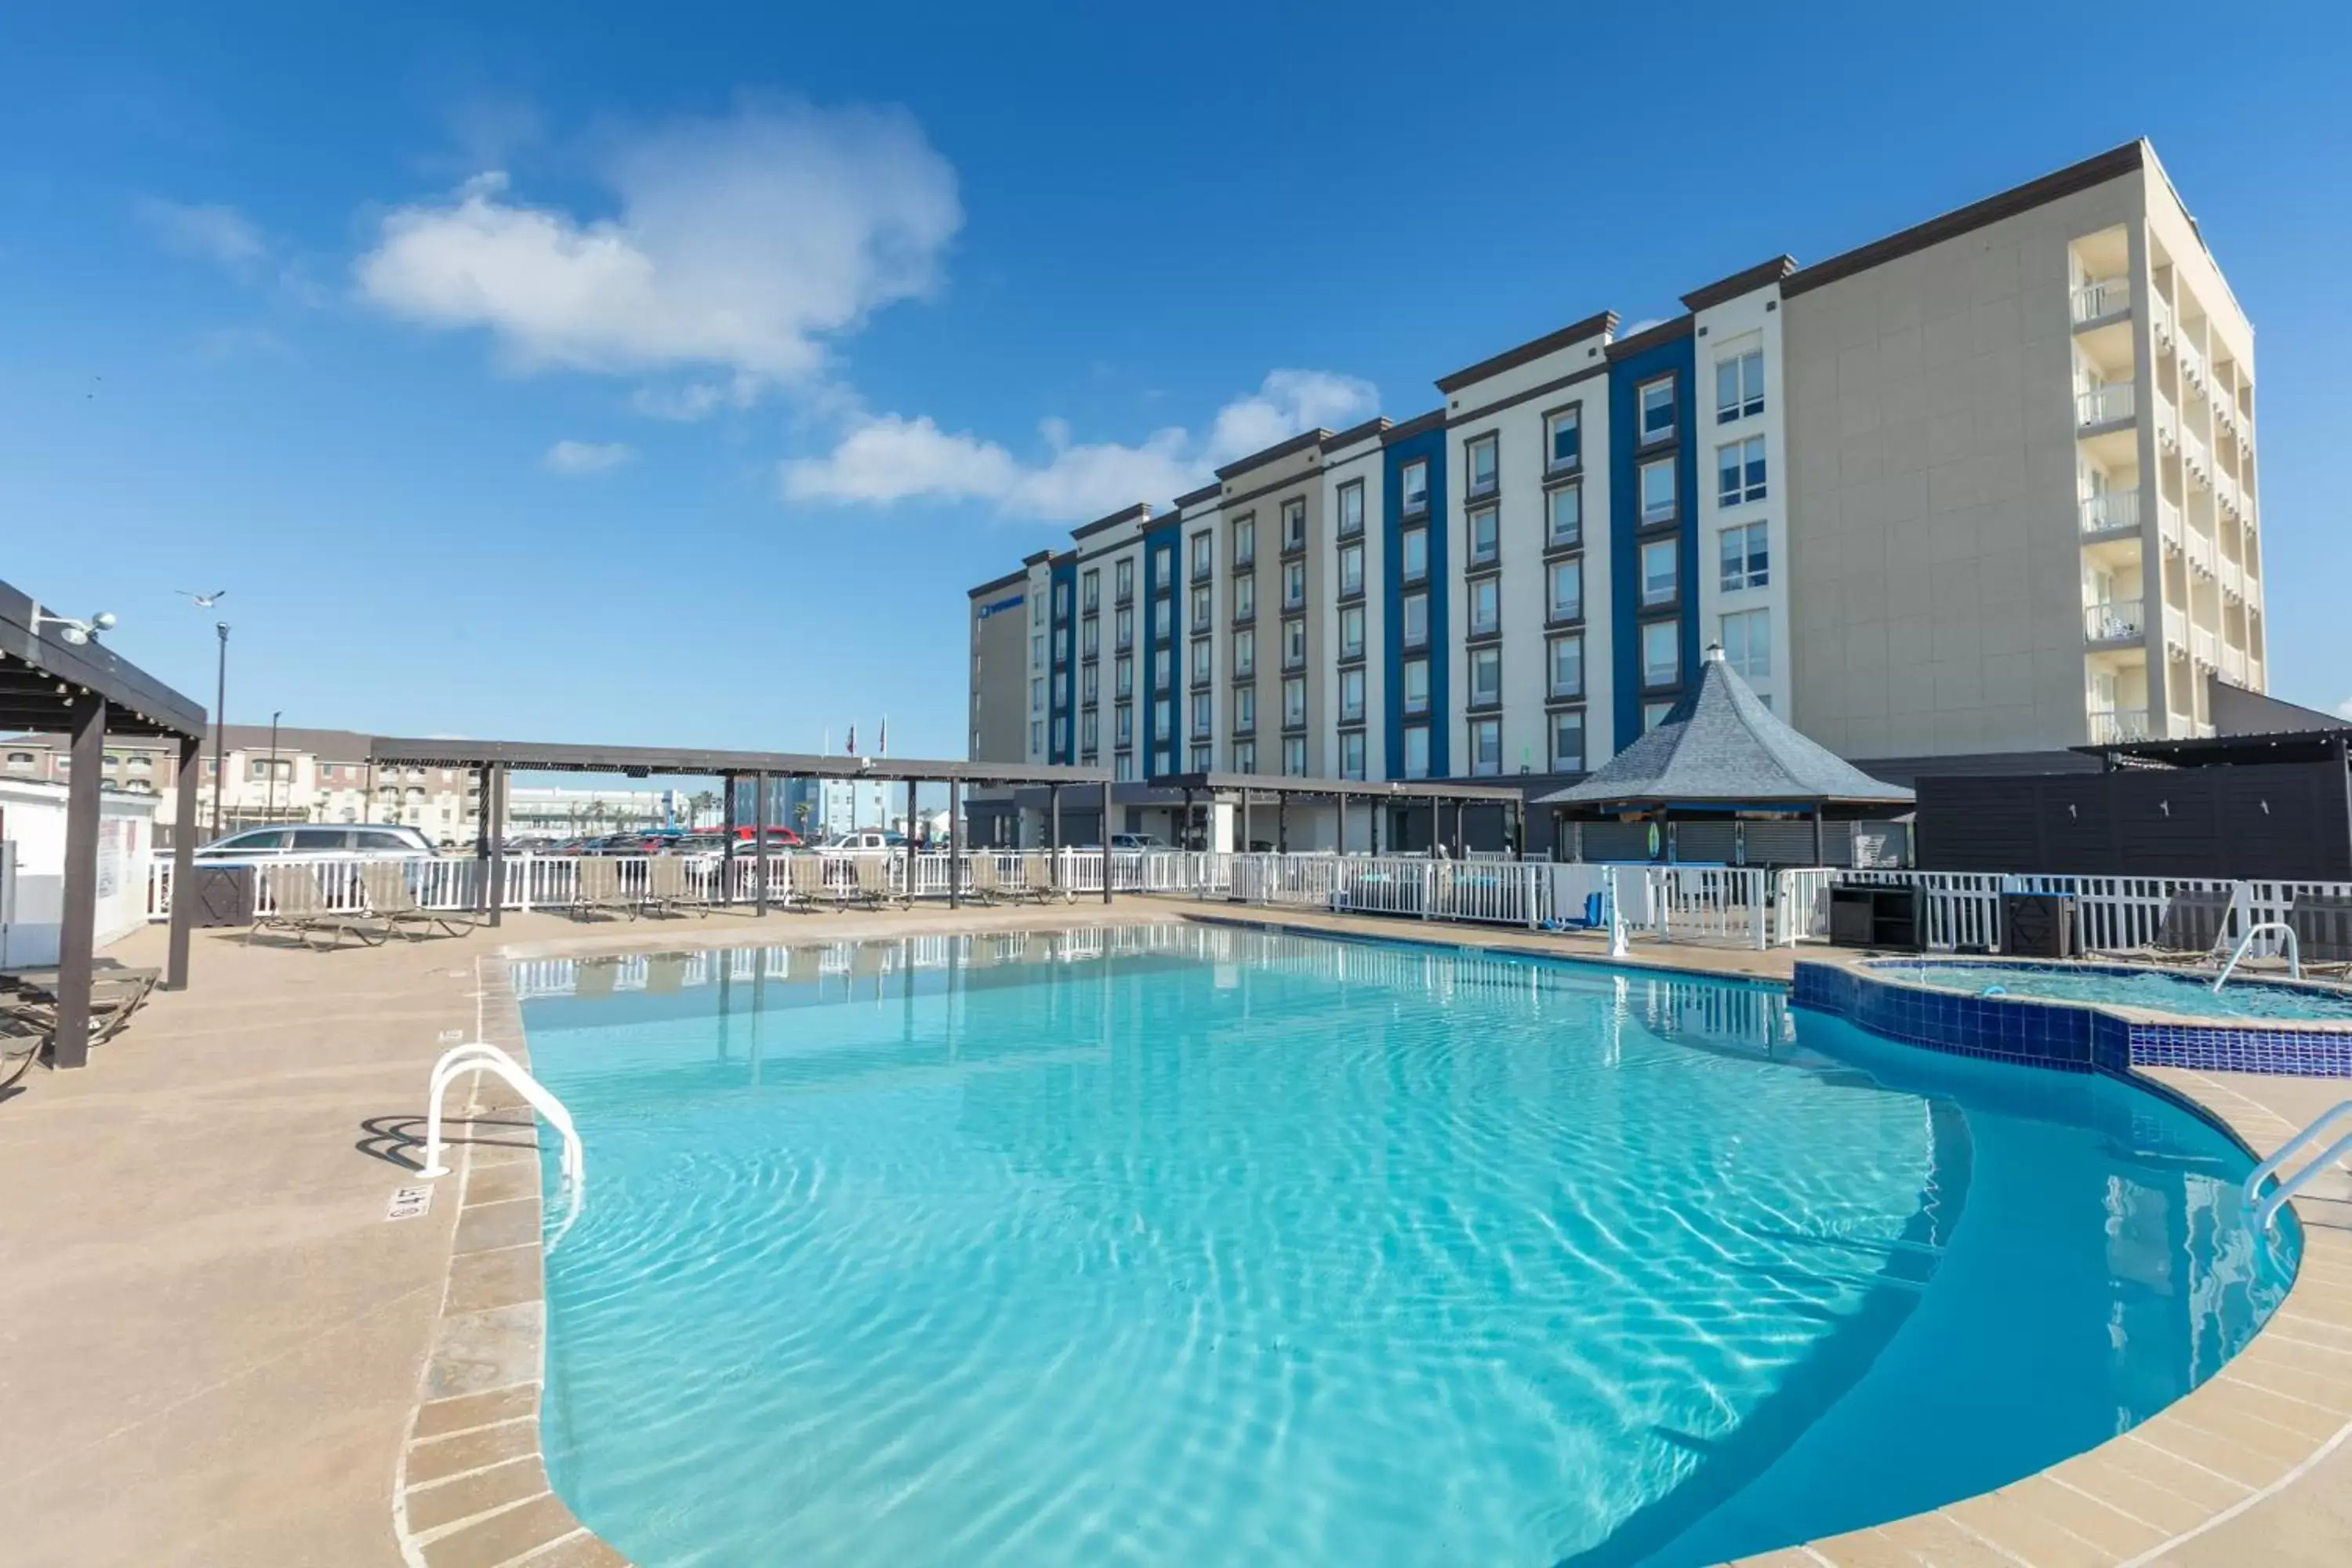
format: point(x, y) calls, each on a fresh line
point(32, 868)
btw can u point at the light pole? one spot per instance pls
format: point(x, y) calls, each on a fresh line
point(270, 811)
point(220, 726)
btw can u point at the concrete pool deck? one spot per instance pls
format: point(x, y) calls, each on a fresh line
point(218, 1344)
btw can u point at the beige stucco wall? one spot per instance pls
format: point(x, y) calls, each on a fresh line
point(1934, 546)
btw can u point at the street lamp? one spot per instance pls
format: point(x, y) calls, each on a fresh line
point(220, 726)
point(77, 632)
point(270, 811)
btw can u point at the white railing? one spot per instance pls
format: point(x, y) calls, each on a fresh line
point(2104, 405)
point(2232, 576)
point(2195, 460)
point(2202, 647)
point(2167, 424)
point(2115, 620)
point(2175, 629)
point(2111, 509)
point(2202, 551)
point(2234, 665)
point(2101, 298)
point(2266, 1208)
point(2112, 914)
point(2192, 367)
point(2159, 320)
point(2114, 726)
point(2167, 524)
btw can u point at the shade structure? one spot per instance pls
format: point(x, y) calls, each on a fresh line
point(1722, 749)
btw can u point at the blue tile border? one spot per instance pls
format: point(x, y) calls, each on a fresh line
point(2061, 1035)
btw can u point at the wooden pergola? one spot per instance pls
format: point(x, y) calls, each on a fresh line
point(493, 761)
point(51, 685)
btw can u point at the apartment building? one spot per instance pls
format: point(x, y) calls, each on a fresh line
point(1984, 486)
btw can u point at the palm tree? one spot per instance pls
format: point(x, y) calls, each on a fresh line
point(704, 802)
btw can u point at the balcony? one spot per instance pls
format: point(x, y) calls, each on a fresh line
point(2103, 405)
point(2116, 620)
point(2232, 577)
point(2159, 323)
point(2192, 367)
point(2233, 665)
point(2201, 554)
point(2102, 300)
point(2111, 511)
point(2167, 425)
point(2114, 726)
point(2196, 460)
point(2231, 498)
point(2176, 631)
point(2201, 647)
point(2168, 525)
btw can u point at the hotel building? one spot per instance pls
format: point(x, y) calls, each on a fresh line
point(1985, 485)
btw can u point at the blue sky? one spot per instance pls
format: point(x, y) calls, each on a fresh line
point(667, 374)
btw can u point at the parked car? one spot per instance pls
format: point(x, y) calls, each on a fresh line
point(1138, 841)
point(361, 841)
point(864, 840)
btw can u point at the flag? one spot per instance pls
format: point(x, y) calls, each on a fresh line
point(850, 749)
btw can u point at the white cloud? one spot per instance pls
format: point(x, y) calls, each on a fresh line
point(741, 244)
point(889, 457)
point(695, 399)
point(2344, 709)
point(586, 457)
point(208, 231)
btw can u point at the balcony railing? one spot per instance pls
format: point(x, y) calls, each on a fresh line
point(2232, 577)
point(2112, 510)
point(2201, 647)
point(2232, 500)
point(2193, 366)
point(2167, 424)
point(2200, 552)
point(2167, 524)
point(2159, 321)
point(2100, 298)
point(2115, 620)
point(2176, 631)
point(2234, 665)
point(2196, 460)
point(2107, 405)
point(2114, 726)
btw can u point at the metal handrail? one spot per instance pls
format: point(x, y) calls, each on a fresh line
point(2266, 1208)
point(2294, 955)
point(480, 1056)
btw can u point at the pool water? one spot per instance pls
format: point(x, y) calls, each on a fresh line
point(1178, 1245)
point(2187, 995)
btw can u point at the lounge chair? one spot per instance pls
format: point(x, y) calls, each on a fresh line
point(871, 882)
point(985, 879)
point(669, 890)
point(2321, 924)
point(599, 892)
point(2194, 926)
point(28, 1009)
point(1036, 876)
point(392, 900)
point(299, 906)
point(804, 878)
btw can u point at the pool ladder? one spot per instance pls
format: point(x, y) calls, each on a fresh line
point(2294, 956)
point(2266, 1208)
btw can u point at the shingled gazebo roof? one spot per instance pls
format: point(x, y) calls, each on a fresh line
point(1722, 748)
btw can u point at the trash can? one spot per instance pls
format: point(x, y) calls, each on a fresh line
point(220, 895)
point(2037, 925)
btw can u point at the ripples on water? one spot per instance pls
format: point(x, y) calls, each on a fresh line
point(1192, 1245)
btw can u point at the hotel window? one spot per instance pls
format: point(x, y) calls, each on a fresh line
point(1563, 441)
point(1657, 400)
point(1416, 620)
point(1412, 486)
point(1293, 525)
point(1294, 703)
point(1164, 618)
point(1123, 680)
point(1661, 561)
point(1123, 628)
point(1351, 753)
point(1203, 608)
point(1485, 676)
point(1200, 661)
point(1485, 539)
point(1160, 670)
point(1245, 708)
point(1485, 606)
point(1416, 686)
point(1481, 464)
point(1351, 695)
point(1091, 683)
point(1123, 574)
point(1662, 652)
point(1123, 767)
point(1036, 705)
point(1203, 724)
point(1416, 750)
point(1568, 742)
point(1564, 516)
point(1244, 653)
point(1413, 563)
point(1739, 386)
point(1203, 759)
point(1740, 471)
point(1091, 590)
point(1244, 542)
point(1204, 554)
point(1036, 739)
point(1351, 569)
point(1061, 601)
point(1748, 643)
point(1486, 747)
point(1089, 731)
point(1567, 585)
point(1294, 644)
point(1352, 632)
point(1090, 636)
point(1747, 556)
point(1123, 724)
point(1166, 555)
point(1294, 756)
point(1037, 650)
point(1567, 666)
point(1294, 584)
point(1655, 714)
point(1352, 508)
point(1062, 646)
point(1244, 756)
point(1244, 598)
point(1658, 491)
point(1161, 721)
point(1159, 755)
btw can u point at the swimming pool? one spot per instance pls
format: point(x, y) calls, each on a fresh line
point(2185, 996)
point(1179, 1245)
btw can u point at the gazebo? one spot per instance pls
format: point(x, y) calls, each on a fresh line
point(1721, 760)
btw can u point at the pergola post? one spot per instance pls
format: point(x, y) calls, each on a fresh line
point(1054, 839)
point(1246, 819)
point(1819, 846)
point(1376, 829)
point(1437, 826)
point(759, 843)
point(955, 849)
point(1282, 824)
point(1343, 822)
point(184, 860)
point(1184, 833)
point(494, 834)
point(76, 930)
point(1105, 837)
point(483, 903)
point(726, 819)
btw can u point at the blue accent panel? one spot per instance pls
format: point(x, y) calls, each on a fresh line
point(1429, 446)
point(1159, 537)
point(1625, 377)
point(1064, 592)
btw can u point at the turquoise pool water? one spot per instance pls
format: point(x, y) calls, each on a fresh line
point(2187, 995)
point(1189, 1245)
